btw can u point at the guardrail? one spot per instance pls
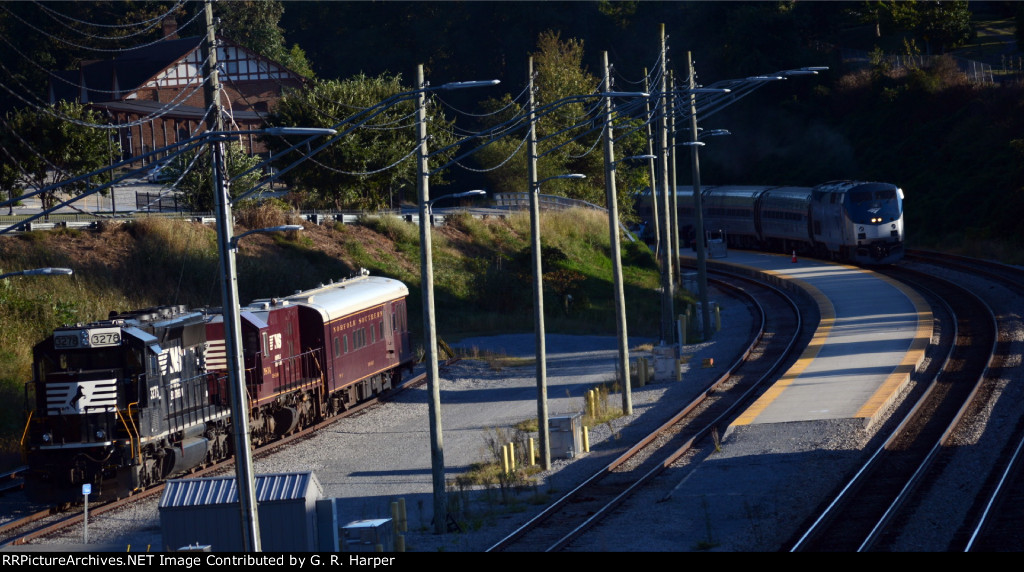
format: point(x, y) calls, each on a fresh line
point(503, 204)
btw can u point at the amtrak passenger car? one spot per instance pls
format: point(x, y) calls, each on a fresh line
point(859, 222)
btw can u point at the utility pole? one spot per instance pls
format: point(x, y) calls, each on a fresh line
point(653, 174)
point(538, 283)
point(427, 281)
point(675, 195)
point(612, 201)
point(698, 208)
point(229, 282)
point(667, 311)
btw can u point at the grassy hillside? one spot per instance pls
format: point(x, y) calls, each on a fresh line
point(483, 281)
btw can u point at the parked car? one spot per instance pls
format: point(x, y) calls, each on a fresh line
point(158, 173)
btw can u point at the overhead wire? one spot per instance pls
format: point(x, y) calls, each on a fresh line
point(91, 48)
point(55, 14)
point(146, 25)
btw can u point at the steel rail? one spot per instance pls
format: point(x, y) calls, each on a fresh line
point(666, 460)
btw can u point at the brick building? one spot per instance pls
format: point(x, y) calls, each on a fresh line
point(157, 91)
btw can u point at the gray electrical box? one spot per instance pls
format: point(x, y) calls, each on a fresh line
point(371, 535)
point(566, 434)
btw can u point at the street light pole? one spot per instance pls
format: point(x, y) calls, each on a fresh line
point(612, 201)
point(543, 431)
point(667, 289)
point(232, 342)
point(698, 210)
point(427, 288)
point(245, 483)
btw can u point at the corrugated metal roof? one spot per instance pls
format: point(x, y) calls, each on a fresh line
point(222, 490)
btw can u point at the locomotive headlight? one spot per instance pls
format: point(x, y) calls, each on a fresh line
point(860, 229)
point(893, 225)
point(47, 438)
point(100, 434)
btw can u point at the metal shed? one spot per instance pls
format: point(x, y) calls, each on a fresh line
point(206, 511)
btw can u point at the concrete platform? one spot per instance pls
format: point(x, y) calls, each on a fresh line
point(872, 336)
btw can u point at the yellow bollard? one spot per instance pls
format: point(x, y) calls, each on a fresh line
point(403, 518)
point(679, 370)
point(533, 456)
point(586, 439)
point(512, 455)
point(504, 458)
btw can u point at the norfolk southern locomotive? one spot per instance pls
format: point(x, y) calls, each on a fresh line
point(130, 401)
point(859, 222)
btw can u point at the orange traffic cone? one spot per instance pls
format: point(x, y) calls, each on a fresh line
point(794, 257)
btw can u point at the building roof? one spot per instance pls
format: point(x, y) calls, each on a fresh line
point(112, 80)
point(180, 493)
point(151, 66)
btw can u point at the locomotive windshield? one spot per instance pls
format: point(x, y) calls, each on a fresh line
point(868, 196)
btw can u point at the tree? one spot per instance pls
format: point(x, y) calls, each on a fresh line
point(255, 26)
point(560, 74)
point(53, 144)
point(945, 24)
point(10, 188)
point(372, 166)
point(194, 174)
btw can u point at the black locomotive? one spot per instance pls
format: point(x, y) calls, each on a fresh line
point(130, 401)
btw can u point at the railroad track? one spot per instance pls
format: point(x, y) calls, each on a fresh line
point(777, 334)
point(964, 490)
point(862, 515)
point(42, 523)
point(993, 521)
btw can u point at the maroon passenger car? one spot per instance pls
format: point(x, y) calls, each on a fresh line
point(319, 351)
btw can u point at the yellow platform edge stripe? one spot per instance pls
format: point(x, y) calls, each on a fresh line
point(828, 318)
point(893, 385)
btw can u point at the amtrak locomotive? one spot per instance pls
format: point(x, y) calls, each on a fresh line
point(860, 222)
